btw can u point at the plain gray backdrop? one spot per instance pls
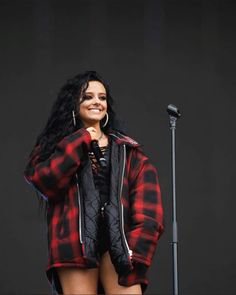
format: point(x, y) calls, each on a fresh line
point(152, 53)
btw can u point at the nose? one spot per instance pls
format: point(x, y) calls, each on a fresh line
point(96, 99)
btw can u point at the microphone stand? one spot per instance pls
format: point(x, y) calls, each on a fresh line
point(174, 114)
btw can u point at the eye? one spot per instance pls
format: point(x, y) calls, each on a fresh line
point(87, 97)
point(103, 97)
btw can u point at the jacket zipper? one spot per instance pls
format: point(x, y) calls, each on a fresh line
point(130, 252)
point(80, 211)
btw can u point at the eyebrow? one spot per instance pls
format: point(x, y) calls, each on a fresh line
point(92, 93)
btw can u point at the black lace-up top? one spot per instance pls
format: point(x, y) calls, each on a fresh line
point(102, 174)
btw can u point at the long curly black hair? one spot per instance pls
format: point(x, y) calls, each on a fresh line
point(60, 122)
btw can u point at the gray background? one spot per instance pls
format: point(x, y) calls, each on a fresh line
point(152, 53)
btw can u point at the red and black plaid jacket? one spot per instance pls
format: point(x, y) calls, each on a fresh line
point(140, 200)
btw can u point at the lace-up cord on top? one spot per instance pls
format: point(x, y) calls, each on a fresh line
point(101, 174)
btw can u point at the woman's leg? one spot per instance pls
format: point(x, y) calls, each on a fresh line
point(76, 280)
point(109, 278)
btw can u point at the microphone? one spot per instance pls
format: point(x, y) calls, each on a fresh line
point(98, 153)
point(173, 111)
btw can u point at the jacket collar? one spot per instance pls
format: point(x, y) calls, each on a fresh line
point(121, 138)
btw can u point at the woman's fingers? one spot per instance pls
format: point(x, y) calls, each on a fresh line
point(93, 132)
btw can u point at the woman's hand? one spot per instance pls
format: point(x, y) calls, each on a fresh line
point(94, 133)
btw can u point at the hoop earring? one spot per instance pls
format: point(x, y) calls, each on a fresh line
point(73, 116)
point(107, 118)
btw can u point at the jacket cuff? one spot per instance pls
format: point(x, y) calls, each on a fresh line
point(81, 132)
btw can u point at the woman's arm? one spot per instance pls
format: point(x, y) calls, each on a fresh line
point(52, 176)
point(146, 208)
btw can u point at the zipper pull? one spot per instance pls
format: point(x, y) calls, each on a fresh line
point(103, 208)
point(102, 211)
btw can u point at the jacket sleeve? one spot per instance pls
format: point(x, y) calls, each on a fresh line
point(146, 208)
point(52, 176)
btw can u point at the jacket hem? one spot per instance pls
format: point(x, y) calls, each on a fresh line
point(143, 283)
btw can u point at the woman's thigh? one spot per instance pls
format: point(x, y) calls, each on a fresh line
point(109, 278)
point(76, 280)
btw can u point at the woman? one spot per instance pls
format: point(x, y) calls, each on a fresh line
point(103, 220)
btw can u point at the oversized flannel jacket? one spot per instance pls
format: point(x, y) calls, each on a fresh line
point(57, 179)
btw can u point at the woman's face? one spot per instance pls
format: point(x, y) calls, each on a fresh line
point(94, 105)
